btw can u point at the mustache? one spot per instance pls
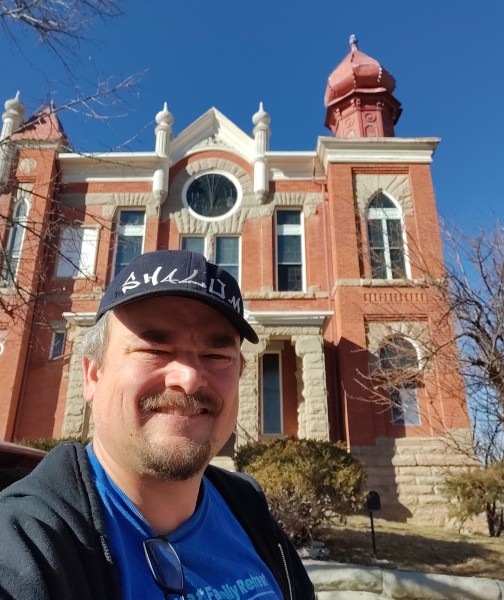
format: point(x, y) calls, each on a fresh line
point(174, 399)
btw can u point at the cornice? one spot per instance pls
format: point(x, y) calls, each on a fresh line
point(80, 319)
point(375, 150)
point(288, 166)
point(109, 166)
point(311, 318)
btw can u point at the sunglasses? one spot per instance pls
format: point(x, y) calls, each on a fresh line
point(165, 566)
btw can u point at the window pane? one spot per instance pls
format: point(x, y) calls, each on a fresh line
point(129, 238)
point(378, 265)
point(290, 278)
point(405, 405)
point(375, 233)
point(227, 254)
point(14, 243)
point(394, 230)
point(271, 400)
point(227, 250)
point(132, 217)
point(386, 245)
point(58, 344)
point(398, 353)
point(288, 217)
point(381, 201)
point(289, 249)
point(70, 249)
point(88, 252)
point(77, 249)
point(128, 248)
point(193, 244)
point(397, 264)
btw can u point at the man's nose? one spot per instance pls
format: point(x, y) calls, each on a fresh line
point(185, 375)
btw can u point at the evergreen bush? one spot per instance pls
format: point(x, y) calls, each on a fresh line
point(307, 482)
point(48, 443)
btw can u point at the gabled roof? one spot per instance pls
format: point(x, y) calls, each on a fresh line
point(43, 126)
point(212, 131)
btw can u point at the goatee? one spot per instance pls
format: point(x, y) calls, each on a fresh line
point(184, 458)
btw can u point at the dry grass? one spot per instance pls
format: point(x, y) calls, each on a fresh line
point(415, 548)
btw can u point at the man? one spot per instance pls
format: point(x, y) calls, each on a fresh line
point(139, 513)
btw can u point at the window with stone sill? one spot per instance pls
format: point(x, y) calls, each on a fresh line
point(226, 250)
point(399, 364)
point(57, 344)
point(129, 238)
point(289, 251)
point(14, 246)
point(77, 252)
point(271, 394)
point(193, 243)
point(386, 239)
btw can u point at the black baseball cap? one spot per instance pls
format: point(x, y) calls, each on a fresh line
point(178, 273)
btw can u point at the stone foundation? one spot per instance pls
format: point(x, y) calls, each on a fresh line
point(408, 473)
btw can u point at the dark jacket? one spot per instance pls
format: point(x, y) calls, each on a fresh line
point(54, 544)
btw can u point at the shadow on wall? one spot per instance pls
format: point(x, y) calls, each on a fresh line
point(363, 425)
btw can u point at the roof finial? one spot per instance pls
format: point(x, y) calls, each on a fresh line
point(353, 43)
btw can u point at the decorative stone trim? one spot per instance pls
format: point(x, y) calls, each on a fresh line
point(312, 413)
point(417, 332)
point(398, 186)
point(308, 201)
point(77, 417)
point(269, 294)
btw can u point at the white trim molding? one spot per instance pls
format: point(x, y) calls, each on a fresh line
point(376, 150)
point(80, 319)
point(297, 318)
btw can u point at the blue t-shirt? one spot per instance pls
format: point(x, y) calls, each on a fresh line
point(218, 559)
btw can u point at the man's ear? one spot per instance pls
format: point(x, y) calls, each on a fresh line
point(91, 376)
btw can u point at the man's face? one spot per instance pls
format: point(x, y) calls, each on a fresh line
point(165, 398)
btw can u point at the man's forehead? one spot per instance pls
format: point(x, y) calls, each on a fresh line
point(165, 335)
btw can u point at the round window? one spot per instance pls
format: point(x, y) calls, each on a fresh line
point(211, 195)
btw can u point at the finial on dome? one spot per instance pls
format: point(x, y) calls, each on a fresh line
point(164, 116)
point(353, 43)
point(261, 116)
point(15, 105)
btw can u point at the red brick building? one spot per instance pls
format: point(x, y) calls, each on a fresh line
point(323, 243)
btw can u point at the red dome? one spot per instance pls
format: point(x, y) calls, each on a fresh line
point(357, 72)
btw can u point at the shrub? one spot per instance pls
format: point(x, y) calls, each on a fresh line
point(50, 443)
point(478, 491)
point(307, 482)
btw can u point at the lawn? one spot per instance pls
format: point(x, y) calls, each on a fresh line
point(415, 548)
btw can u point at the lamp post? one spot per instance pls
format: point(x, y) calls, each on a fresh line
point(373, 503)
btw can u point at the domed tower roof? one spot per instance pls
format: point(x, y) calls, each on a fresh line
point(360, 83)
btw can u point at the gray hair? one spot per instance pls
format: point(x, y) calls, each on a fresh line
point(94, 342)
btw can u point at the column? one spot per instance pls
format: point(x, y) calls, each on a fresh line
point(312, 408)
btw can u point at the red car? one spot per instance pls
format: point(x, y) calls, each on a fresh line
point(16, 461)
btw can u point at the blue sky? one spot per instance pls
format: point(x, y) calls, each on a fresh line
point(447, 58)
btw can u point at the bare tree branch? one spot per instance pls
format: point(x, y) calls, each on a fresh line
point(59, 24)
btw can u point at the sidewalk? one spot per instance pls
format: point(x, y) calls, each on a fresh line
point(336, 581)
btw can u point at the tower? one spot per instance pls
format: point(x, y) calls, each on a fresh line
point(359, 98)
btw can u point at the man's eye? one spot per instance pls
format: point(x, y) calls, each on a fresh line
point(217, 356)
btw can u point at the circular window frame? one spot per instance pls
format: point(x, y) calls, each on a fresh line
point(230, 177)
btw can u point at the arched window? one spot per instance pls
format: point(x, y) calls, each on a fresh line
point(14, 245)
point(399, 364)
point(385, 239)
